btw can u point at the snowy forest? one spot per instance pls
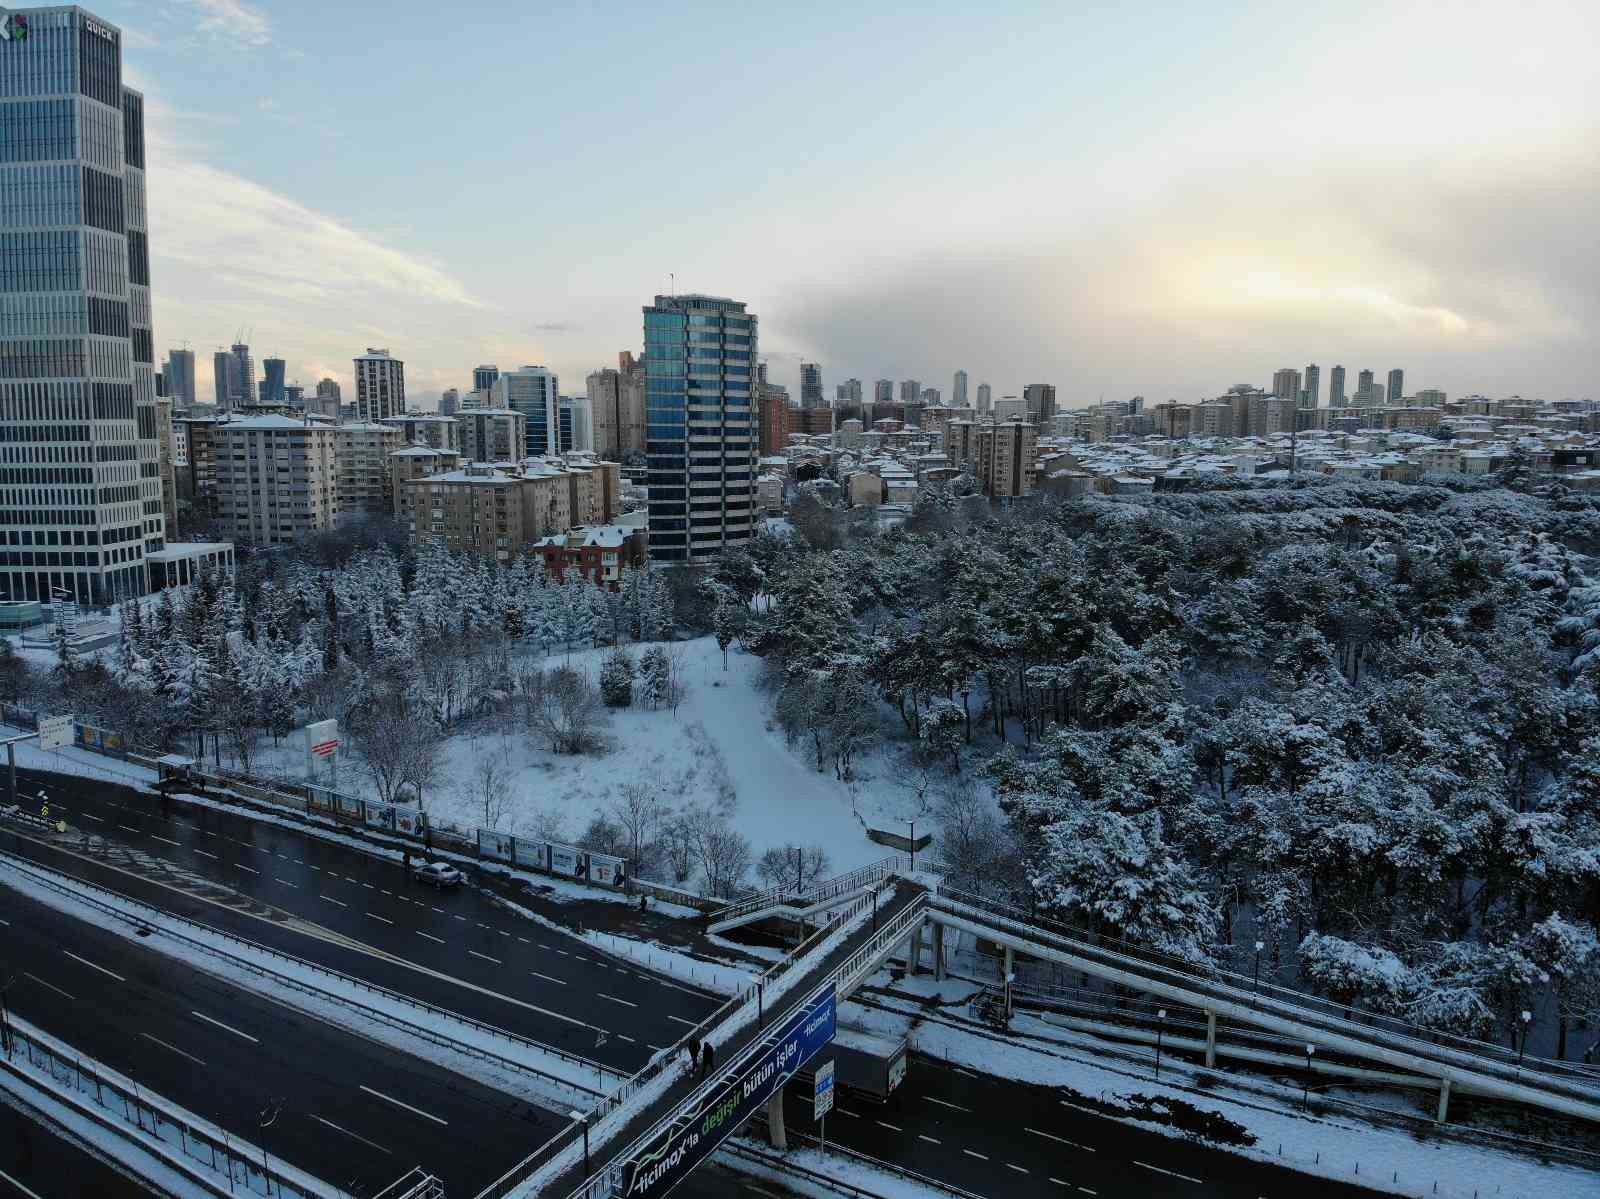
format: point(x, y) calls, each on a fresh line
point(1357, 722)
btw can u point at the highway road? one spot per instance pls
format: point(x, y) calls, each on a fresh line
point(999, 1138)
point(36, 1163)
point(353, 1111)
point(982, 1133)
point(485, 962)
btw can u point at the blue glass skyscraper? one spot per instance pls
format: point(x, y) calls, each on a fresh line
point(700, 354)
point(80, 504)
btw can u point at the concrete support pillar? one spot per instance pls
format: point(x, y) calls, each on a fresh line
point(913, 950)
point(775, 1130)
point(938, 953)
point(1005, 975)
point(1211, 1038)
point(1444, 1100)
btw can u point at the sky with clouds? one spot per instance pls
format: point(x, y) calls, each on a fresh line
point(1120, 199)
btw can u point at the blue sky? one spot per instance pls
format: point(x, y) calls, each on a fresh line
point(1116, 198)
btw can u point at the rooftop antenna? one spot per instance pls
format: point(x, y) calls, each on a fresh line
point(672, 285)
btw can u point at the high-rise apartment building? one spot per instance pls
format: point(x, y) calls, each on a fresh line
point(810, 385)
point(164, 457)
point(848, 392)
point(492, 435)
point(1269, 415)
point(534, 391)
point(1311, 393)
point(579, 418)
point(1286, 384)
point(929, 397)
point(276, 478)
point(985, 397)
point(271, 388)
point(380, 385)
point(910, 391)
point(1397, 385)
point(233, 374)
point(958, 393)
point(327, 400)
point(80, 497)
point(483, 377)
point(883, 391)
point(432, 429)
point(775, 419)
point(362, 485)
point(449, 401)
point(1039, 401)
point(1430, 397)
point(1006, 458)
point(700, 356)
point(616, 408)
point(180, 377)
point(1336, 396)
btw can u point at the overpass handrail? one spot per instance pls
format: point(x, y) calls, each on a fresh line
point(1289, 1004)
point(781, 896)
point(660, 1062)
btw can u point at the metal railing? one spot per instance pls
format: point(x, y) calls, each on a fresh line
point(749, 1001)
point(416, 1183)
point(73, 888)
point(126, 1109)
point(1282, 1002)
point(781, 896)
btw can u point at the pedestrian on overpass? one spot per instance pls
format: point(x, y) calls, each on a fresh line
point(707, 1056)
point(694, 1055)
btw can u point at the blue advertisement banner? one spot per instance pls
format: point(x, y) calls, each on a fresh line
point(682, 1144)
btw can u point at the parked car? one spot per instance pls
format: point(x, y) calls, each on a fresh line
point(438, 874)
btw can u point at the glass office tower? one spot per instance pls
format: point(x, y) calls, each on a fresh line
point(80, 475)
point(699, 355)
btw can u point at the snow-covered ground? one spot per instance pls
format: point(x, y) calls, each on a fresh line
point(722, 734)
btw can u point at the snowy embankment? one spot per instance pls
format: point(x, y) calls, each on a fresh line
point(73, 760)
point(509, 1063)
point(707, 977)
point(1333, 1147)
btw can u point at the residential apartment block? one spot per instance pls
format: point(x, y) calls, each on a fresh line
point(276, 479)
point(433, 429)
point(361, 463)
point(492, 435)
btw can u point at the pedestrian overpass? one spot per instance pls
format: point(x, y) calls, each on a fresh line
point(644, 1137)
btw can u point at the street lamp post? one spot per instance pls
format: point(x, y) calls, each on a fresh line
point(1523, 1047)
point(1161, 1019)
point(1255, 979)
point(583, 1122)
point(268, 1117)
point(1305, 1093)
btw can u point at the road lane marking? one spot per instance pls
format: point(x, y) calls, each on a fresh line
point(975, 1153)
point(942, 1103)
point(353, 1135)
point(414, 1110)
point(463, 919)
point(622, 1036)
point(1058, 1182)
point(7, 923)
point(331, 899)
point(924, 1137)
point(129, 827)
point(558, 981)
point(681, 1020)
point(385, 919)
point(1087, 1191)
point(92, 966)
point(225, 1027)
point(42, 983)
point(890, 1127)
point(1063, 1140)
point(1169, 1173)
point(204, 854)
point(481, 924)
point(485, 957)
point(430, 936)
point(525, 940)
point(502, 932)
point(174, 1049)
point(1018, 1169)
point(31, 1194)
point(242, 866)
point(844, 1111)
point(168, 840)
point(439, 910)
point(286, 882)
point(93, 817)
point(205, 832)
point(614, 999)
